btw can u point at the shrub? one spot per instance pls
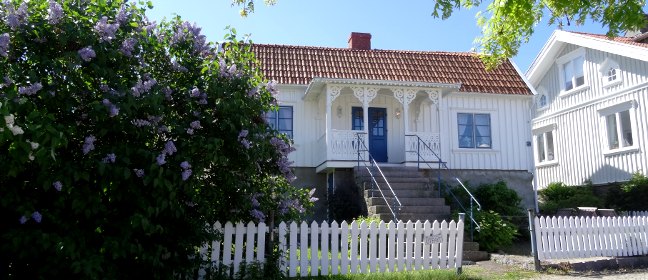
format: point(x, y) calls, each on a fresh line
point(495, 232)
point(346, 204)
point(630, 196)
point(557, 195)
point(122, 139)
point(499, 198)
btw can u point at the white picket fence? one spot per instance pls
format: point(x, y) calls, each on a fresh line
point(323, 249)
point(636, 213)
point(581, 237)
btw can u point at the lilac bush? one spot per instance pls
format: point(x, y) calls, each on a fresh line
point(122, 138)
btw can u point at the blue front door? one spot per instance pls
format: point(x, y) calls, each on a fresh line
point(377, 130)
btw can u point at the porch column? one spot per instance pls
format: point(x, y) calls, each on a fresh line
point(405, 96)
point(332, 92)
point(365, 95)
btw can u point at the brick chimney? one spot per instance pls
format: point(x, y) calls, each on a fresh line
point(360, 41)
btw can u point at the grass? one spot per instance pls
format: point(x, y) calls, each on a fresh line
point(469, 273)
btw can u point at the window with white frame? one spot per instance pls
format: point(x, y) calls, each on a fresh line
point(619, 123)
point(610, 72)
point(572, 75)
point(474, 130)
point(542, 99)
point(545, 150)
point(281, 120)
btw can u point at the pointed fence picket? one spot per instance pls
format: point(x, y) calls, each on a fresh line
point(334, 249)
point(581, 237)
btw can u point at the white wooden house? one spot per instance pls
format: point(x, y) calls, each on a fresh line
point(476, 121)
point(591, 121)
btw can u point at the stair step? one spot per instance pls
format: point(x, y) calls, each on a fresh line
point(396, 179)
point(405, 217)
point(407, 201)
point(470, 246)
point(440, 209)
point(475, 256)
point(404, 186)
point(400, 193)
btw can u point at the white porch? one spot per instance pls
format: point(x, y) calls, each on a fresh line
point(405, 119)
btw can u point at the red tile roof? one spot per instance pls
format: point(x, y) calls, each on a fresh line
point(624, 40)
point(299, 65)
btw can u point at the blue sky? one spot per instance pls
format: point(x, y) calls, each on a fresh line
point(394, 25)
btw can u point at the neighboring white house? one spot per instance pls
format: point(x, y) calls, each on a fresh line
point(476, 121)
point(591, 121)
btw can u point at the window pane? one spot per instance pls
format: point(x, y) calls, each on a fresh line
point(568, 75)
point(550, 146)
point(578, 66)
point(626, 128)
point(613, 138)
point(543, 100)
point(482, 131)
point(464, 119)
point(466, 136)
point(483, 142)
point(285, 112)
point(285, 124)
point(482, 119)
point(540, 145)
point(611, 74)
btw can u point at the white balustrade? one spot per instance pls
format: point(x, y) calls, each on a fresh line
point(344, 144)
point(412, 146)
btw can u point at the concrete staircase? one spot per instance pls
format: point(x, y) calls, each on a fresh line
point(419, 197)
point(416, 192)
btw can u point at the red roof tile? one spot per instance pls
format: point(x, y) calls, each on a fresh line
point(624, 40)
point(299, 65)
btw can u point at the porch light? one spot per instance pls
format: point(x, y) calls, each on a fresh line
point(339, 111)
point(397, 113)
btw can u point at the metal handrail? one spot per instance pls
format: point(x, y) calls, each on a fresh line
point(445, 166)
point(373, 178)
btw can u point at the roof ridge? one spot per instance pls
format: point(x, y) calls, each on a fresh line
point(372, 50)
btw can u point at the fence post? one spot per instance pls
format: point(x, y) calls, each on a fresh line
point(459, 264)
point(534, 244)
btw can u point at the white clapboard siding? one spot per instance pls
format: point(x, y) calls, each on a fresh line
point(583, 237)
point(323, 249)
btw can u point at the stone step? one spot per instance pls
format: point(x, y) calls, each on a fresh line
point(475, 256)
point(440, 209)
point(400, 193)
point(407, 201)
point(470, 246)
point(394, 179)
point(405, 217)
point(404, 186)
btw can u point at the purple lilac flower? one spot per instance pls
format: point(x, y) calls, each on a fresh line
point(271, 86)
point(222, 66)
point(143, 87)
point(161, 159)
point(190, 131)
point(104, 88)
point(170, 148)
point(4, 44)
point(311, 197)
point(139, 173)
point(114, 111)
point(16, 18)
point(185, 165)
point(58, 185)
point(105, 30)
point(195, 92)
point(177, 67)
point(195, 125)
point(88, 145)
point(141, 122)
point(37, 216)
point(110, 158)
point(31, 89)
point(253, 92)
point(202, 101)
point(23, 220)
point(154, 119)
point(87, 54)
point(255, 201)
point(8, 81)
point(123, 15)
point(167, 93)
point(54, 13)
point(105, 102)
point(257, 214)
point(246, 143)
point(243, 134)
point(185, 32)
point(186, 174)
point(128, 46)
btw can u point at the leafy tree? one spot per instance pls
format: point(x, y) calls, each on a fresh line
point(508, 23)
point(120, 140)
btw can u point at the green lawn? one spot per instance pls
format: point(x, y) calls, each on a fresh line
point(469, 273)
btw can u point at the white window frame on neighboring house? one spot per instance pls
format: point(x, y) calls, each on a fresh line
point(610, 73)
point(569, 68)
point(619, 122)
point(544, 143)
